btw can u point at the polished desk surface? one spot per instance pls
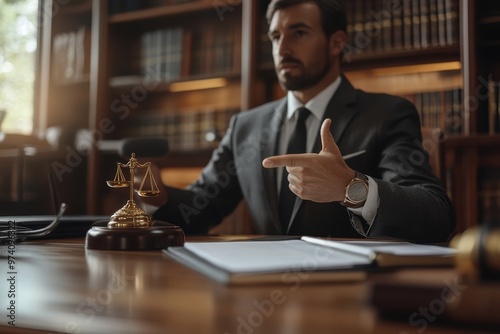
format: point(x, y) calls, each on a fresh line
point(63, 287)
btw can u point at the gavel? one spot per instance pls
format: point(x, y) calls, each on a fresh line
point(478, 253)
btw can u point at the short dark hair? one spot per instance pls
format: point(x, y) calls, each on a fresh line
point(332, 12)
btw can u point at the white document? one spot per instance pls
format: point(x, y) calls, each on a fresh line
point(272, 256)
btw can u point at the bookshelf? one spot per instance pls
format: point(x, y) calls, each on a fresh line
point(65, 66)
point(62, 95)
point(170, 68)
point(474, 158)
point(181, 68)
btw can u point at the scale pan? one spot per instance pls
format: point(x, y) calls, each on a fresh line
point(148, 193)
point(118, 184)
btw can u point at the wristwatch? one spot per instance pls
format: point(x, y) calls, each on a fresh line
point(356, 191)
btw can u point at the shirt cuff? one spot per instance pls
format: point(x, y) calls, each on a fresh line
point(369, 210)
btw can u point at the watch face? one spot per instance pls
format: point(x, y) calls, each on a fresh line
point(358, 191)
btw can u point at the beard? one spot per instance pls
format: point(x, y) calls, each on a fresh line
point(304, 80)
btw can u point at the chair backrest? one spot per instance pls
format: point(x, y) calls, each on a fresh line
point(433, 142)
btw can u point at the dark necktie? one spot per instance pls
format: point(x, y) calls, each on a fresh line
point(297, 144)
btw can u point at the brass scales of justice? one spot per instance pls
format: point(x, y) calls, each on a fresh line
point(131, 228)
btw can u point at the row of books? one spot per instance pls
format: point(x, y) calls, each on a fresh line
point(161, 52)
point(376, 26)
point(442, 109)
point(70, 55)
point(190, 130)
point(178, 52)
point(387, 25)
point(199, 129)
point(216, 48)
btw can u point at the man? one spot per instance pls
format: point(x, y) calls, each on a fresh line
point(380, 192)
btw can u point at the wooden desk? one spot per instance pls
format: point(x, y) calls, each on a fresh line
point(62, 287)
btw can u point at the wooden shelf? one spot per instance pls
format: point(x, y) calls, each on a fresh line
point(407, 79)
point(473, 141)
point(127, 81)
point(393, 58)
point(490, 20)
point(163, 12)
point(395, 62)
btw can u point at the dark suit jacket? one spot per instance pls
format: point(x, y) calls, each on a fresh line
point(413, 204)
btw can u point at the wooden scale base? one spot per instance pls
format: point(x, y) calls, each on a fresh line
point(159, 236)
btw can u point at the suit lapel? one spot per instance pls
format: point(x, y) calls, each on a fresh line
point(340, 110)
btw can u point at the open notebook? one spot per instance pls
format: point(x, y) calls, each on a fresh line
point(310, 259)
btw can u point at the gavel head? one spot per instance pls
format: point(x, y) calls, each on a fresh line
point(478, 253)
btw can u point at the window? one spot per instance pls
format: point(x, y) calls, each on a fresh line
point(18, 44)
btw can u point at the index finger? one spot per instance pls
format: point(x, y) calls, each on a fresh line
point(288, 160)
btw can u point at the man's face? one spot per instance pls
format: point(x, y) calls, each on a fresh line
point(300, 46)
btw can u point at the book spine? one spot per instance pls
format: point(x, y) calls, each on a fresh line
point(387, 33)
point(166, 54)
point(186, 53)
point(457, 111)
point(424, 23)
point(349, 9)
point(196, 52)
point(448, 110)
point(407, 25)
point(359, 37)
point(442, 111)
point(425, 109)
point(397, 27)
point(158, 52)
point(416, 23)
point(369, 26)
point(441, 22)
point(437, 110)
point(452, 31)
point(144, 53)
point(433, 23)
point(177, 53)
